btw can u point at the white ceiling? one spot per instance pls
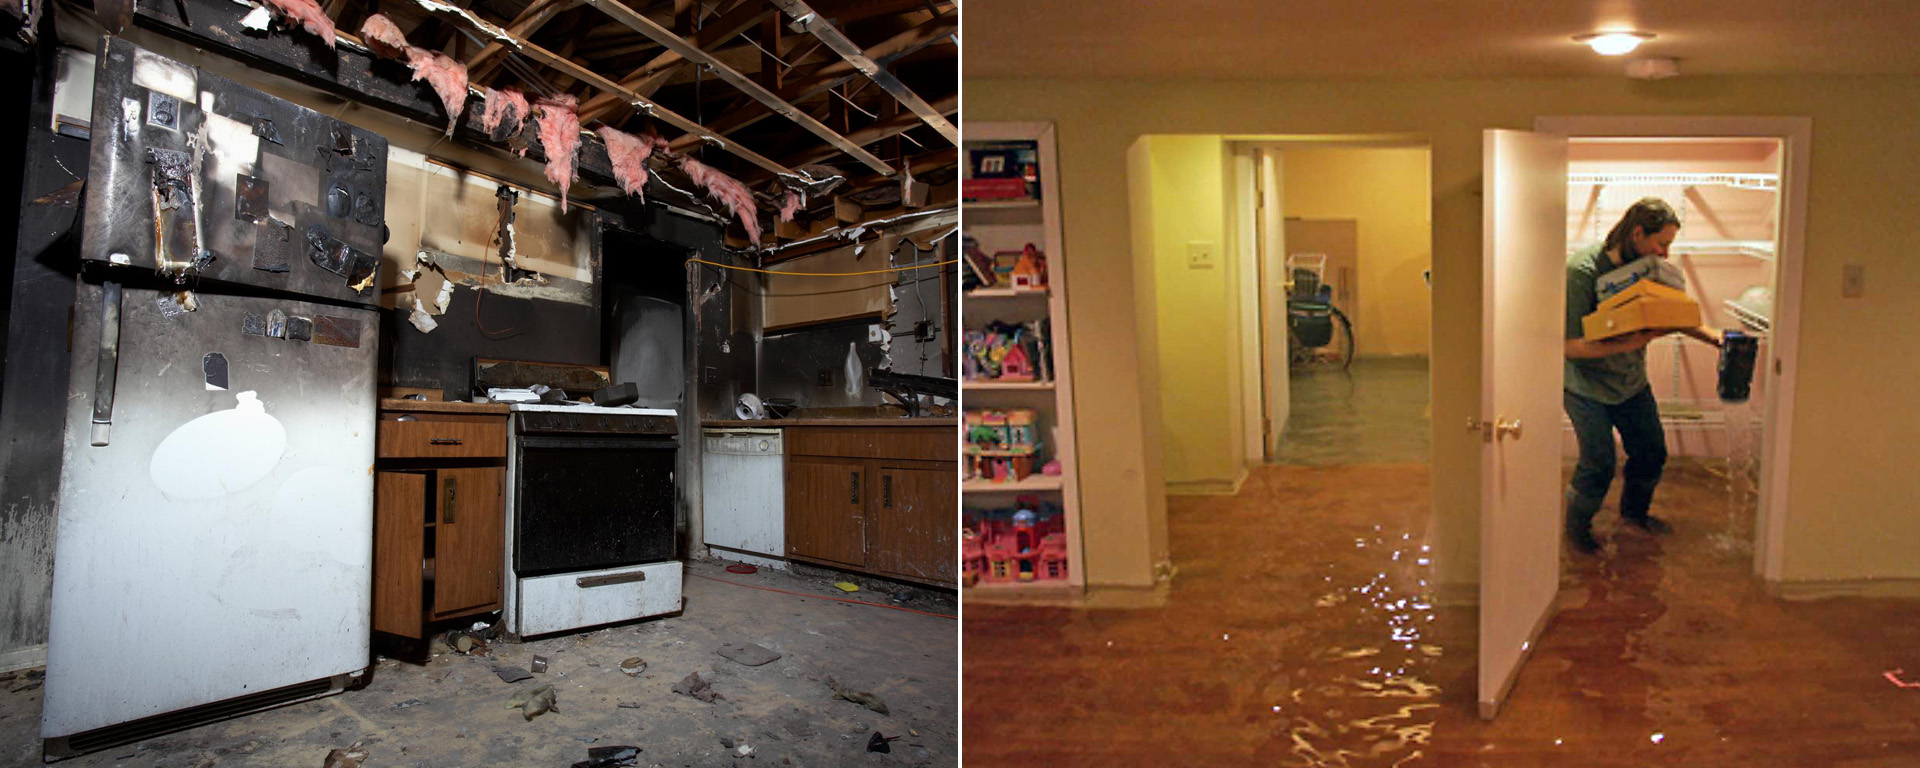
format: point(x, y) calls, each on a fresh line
point(1287, 39)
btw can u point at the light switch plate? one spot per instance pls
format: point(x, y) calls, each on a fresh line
point(1853, 281)
point(1200, 255)
point(873, 332)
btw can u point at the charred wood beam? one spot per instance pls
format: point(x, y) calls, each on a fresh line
point(537, 14)
point(570, 68)
point(810, 20)
point(648, 78)
point(767, 98)
point(887, 50)
point(349, 72)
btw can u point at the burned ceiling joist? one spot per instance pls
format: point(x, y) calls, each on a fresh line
point(707, 73)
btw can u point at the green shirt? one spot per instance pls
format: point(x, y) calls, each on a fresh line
point(1611, 379)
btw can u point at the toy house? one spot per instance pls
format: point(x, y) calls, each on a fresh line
point(1030, 271)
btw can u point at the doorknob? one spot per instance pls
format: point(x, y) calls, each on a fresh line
point(1504, 428)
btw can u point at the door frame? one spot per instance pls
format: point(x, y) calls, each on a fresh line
point(1796, 137)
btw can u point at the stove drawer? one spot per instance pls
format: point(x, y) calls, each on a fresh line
point(590, 598)
point(442, 436)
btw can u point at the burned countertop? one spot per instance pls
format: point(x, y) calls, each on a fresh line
point(869, 421)
point(439, 406)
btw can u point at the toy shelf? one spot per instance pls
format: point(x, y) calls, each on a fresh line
point(1010, 225)
point(986, 386)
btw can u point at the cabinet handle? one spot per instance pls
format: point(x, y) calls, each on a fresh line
point(609, 580)
point(886, 491)
point(446, 507)
point(445, 441)
point(853, 488)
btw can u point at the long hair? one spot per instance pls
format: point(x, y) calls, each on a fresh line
point(1649, 215)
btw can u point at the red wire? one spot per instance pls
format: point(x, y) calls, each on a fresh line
point(824, 597)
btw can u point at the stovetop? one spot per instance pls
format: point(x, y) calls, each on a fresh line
point(544, 418)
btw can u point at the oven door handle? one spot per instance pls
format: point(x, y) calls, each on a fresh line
point(587, 582)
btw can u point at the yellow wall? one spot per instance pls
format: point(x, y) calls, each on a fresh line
point(1386, 191)
point(1198, 334)
point(1852, 492)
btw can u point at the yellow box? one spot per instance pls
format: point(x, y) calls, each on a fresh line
point(1640, 313)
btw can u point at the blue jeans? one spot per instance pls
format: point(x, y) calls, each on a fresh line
point(1594, 422)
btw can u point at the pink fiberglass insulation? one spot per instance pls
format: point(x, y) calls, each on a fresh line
point(496, 110)
point(309, 15)
point(448, 78)
point(384, 38)
point(629, 154)
point(728, 191)
point(560, 138)
point(789, 205)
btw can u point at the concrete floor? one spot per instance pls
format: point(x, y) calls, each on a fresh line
point(451, 710)
point(1373, 412)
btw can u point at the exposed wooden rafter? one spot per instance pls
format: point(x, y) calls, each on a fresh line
point(537, 14)
point(648, 78)
point(837, 74)
point(767, 98)
point(805, 16)
point(566, 66)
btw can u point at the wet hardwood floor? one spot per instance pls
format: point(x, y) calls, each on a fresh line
point(1300, 632)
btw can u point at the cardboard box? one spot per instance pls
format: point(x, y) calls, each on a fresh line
point(1642, 306)
point(1646, 268)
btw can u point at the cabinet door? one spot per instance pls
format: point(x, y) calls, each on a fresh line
point(911, 530)
point(399, 518)
point(825, 503)
point(470, 543)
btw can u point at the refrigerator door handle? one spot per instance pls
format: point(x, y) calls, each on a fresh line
point(108, 366)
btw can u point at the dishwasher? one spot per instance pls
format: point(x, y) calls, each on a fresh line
point(743, 495)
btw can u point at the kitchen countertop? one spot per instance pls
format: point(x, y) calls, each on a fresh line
point(439, 406)
point(925, 421)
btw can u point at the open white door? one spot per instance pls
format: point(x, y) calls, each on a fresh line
point(1523, 306)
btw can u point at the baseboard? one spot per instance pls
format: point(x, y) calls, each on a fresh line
point(1210, 487)
point(1127, 597)
point(24, 658)
point(756, 560)
point(1907, 589)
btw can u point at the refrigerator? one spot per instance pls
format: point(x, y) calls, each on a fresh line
point(214, 542)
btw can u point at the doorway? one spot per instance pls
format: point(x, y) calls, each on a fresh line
point(1336, 232)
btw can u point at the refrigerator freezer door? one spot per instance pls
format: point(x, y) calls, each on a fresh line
point(220, 543)
point(195, 175)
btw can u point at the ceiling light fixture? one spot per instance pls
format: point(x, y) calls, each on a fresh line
point(1613, 43)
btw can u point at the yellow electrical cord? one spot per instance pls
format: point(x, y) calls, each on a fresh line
point(826, 274)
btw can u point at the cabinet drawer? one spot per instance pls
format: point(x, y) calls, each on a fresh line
point(916, 443)
point(442, 436)
point(571, 600)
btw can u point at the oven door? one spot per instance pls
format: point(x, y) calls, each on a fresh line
point(584, 503)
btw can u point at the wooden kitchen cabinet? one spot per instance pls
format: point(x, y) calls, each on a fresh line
point(877, 500)
point(439, 519)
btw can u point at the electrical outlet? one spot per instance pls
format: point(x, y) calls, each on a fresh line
point(711, 374)
point(1853, 281)
point(873, 332)
point(824, 378)
point(1199, 255)
point(923, 330)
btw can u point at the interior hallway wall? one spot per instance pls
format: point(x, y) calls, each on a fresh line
point(1851, 496)
point(1196, 303)
point(1387, 191)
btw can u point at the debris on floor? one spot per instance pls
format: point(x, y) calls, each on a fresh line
point(748, 653)
point(693, 685)
point(346, 758)
point(634, 666)
point(534, 703)
point(861, 698)
point(408, 704)
point(881, 743)
point(628, 705)
point(540, 664)
point(609, 757)
point(512, 674)
point(846, 586)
